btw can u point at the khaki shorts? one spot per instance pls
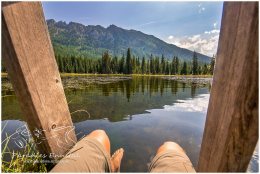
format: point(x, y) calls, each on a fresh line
point(171, 161)
point(88, 155)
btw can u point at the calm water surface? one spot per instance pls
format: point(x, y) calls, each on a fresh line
point(138, 115)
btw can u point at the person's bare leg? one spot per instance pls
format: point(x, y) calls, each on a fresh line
point(101, 136)
point(171, 158)
point(169, 145)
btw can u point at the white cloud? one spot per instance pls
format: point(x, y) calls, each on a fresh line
point(211, 32)
point(198, 104)
point(205, 43)
point(194, 37)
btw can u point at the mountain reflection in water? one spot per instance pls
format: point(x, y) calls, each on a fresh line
point(138, 115)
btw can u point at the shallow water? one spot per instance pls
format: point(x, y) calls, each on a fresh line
point(138, 115)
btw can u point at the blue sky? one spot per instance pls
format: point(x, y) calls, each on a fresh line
point(192, 25)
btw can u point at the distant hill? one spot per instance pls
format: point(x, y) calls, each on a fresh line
point(91, 41)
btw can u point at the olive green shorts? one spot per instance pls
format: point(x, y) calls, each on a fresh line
point(88, 155)
point(171, 161)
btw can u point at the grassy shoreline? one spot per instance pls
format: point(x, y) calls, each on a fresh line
point(145, 75)
point(82, 81)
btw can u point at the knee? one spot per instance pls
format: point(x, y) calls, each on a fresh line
point(101, 136)
point(169, 145)
point(99, 132)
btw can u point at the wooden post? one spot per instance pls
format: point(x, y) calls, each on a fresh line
point(31, 66)
point(231, 130)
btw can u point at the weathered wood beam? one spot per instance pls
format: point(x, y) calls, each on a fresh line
point(231, 130)
point(31, 66)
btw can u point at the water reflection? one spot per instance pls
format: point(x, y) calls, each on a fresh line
point(116, 101)
point(142, 134)
point(193, 90)
point(138, 115)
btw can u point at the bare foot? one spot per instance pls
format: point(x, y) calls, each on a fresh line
point(116, 160)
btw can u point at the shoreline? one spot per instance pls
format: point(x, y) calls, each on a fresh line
point(145, 75)
point(74, 81)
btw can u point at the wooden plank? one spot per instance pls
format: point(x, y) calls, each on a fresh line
point(231, 130)
point(31, 66)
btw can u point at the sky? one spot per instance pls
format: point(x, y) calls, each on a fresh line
point(191, 25)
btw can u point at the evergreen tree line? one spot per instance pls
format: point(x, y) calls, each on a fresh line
point(132, 65)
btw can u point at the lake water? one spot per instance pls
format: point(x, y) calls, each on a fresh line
point(138, 115)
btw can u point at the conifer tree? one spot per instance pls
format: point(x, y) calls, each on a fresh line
point(138, 66)
point(157, 65)
point(106, 63)
point(163, 65)
point(128, 62)
point(195, 65)
point(167, 69)
point(184, 69)
point(176, 65)
point(205, 69)
point(212, 65)
point(116, 66)
point(148, 71)
point(173, 66)
point(133, 61)
point(143, 66)
point(151, 64)
point(122, 65)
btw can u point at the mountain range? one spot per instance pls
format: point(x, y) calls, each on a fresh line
point(92, 41)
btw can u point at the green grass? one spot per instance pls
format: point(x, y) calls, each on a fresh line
point(78, 74)
point(27, 160)
point(152, 75)
point(163, 75)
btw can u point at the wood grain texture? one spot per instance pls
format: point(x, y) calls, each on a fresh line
point(231, 130)
point(31, 66)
